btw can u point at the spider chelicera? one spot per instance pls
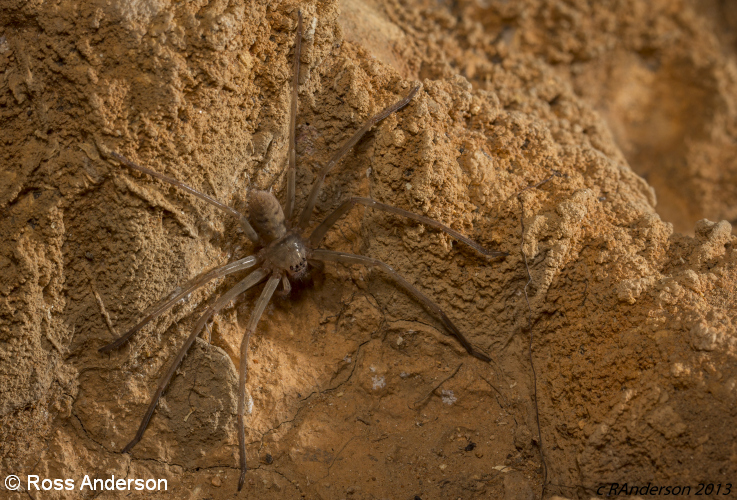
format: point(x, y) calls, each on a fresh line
point(286, 250)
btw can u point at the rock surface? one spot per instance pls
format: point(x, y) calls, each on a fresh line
point(531, 118)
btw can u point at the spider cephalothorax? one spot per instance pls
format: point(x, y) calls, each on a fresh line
point(285, 250)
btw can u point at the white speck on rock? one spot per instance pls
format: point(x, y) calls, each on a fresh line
point(379, 382)
point(448, 397)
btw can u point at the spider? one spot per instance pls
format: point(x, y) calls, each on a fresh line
point(284, 256)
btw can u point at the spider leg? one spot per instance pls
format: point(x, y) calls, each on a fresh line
point(197, 282)
point(347, 258)
point(306, 215)
point(319, 233)
point(258, 310)
point(249, 281)
point(292, 169)
point(250, 233)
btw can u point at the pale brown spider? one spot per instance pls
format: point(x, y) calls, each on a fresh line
point(285, 254)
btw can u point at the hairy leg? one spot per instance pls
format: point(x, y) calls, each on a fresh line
point(249, 281)
point(197, 282)
point(250, 233)
point(306, 215)
point(292, 168)
point(347, 258)
point(258, 310)
point(319, 233)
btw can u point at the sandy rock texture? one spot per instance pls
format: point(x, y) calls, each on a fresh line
point(532, 124)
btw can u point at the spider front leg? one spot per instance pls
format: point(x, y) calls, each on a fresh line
point(249, 281)
point(197, 282)
point(258, 310)
point(347, 258)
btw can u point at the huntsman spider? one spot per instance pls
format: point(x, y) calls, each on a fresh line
point(284, 256)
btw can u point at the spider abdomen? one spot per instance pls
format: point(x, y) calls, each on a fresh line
point(266, 216)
